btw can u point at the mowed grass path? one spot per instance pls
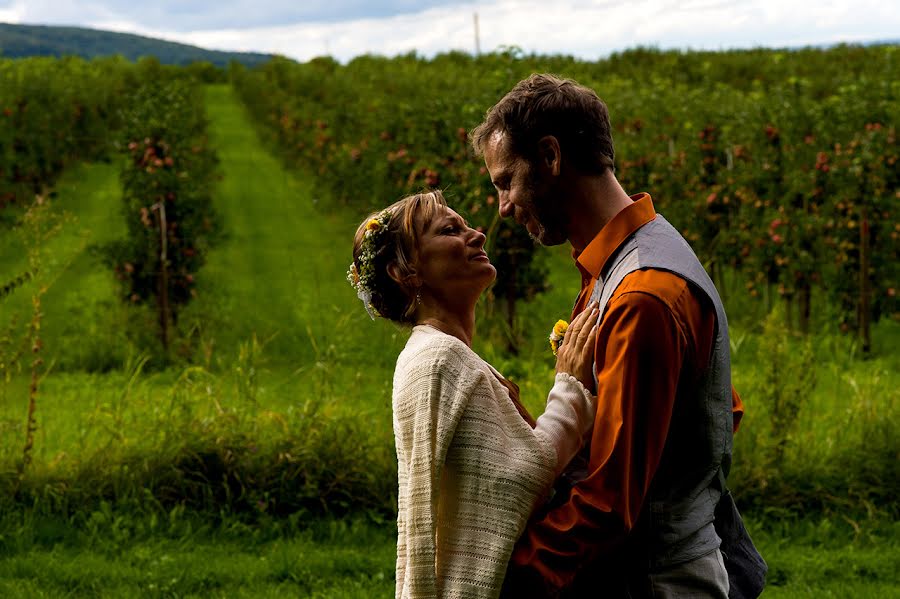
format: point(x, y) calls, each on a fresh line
point(280, 274)
point(277, 272)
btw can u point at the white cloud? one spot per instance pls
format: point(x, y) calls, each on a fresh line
point(586, 28)
point(589, 29)
point(14, 13)
point(427, 32)
point(191, 15)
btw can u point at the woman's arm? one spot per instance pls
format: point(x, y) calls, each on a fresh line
point(569, 416)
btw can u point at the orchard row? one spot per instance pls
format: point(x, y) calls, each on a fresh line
point(781, 166)
point(152, 120)
point(53, 112)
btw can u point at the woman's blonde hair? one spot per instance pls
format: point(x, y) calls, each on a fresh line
point(397, 245)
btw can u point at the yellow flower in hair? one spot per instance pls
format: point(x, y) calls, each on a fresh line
point(373, 225)
point(557, 335)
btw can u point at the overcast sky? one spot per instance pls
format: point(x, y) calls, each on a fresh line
point(303, 29)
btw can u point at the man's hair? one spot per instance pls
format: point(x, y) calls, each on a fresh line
point(549, 105)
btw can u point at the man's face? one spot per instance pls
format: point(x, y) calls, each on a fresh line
point(533, 203)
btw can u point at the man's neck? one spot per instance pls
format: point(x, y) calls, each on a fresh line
point(595, 202)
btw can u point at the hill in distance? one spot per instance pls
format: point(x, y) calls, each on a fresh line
point(19, 41)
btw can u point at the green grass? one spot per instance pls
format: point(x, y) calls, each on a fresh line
point(82, 316)
point(829, 557)
point(333, 559)
point(355, 559)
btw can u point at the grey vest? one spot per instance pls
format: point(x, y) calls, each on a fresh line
point(676, 522)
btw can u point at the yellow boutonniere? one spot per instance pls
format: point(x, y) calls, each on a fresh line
point(557, 335)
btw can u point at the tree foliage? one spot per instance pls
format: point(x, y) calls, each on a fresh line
point(779, 165)
point(167, 181)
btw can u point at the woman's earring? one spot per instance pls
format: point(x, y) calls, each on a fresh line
point(417, 301)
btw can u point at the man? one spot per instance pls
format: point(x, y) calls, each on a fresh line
point(638, 520)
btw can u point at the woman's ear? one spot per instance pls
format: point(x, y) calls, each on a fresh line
point(549, 157)
point(393, 270)
point(404, 278)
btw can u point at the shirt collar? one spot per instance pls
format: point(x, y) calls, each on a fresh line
point(594, 257)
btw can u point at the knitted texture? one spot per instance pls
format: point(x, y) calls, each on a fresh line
point(568, 419)
point(470, 469)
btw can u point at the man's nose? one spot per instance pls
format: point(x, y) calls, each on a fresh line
point(504, 206)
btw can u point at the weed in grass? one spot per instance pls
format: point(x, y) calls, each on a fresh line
point(789, 379)
point(246, 371)
point(38, 226)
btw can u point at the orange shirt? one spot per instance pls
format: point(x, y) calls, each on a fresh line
point(653, 345)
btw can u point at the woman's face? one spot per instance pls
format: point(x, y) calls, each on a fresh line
point(451, 262)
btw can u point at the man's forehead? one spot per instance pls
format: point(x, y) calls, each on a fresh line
point(498, 140)
point(498, 150)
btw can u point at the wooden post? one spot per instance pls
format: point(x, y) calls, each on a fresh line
point(163, 298)
point(864, 327)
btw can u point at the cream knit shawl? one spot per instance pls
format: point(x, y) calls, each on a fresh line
point(470, 470)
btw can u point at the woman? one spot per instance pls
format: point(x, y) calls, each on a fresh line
point(472, 464)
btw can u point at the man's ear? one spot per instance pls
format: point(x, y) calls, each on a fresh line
point(549, 156)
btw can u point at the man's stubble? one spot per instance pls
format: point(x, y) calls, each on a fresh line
point(547, 209)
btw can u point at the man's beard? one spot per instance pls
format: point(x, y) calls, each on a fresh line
point(551, 221)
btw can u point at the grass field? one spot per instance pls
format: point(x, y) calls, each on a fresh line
point(354, 559)
point(288, 379)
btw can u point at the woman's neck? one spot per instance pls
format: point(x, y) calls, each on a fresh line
point(461, 326)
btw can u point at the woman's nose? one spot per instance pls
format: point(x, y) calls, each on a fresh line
point(477, 238)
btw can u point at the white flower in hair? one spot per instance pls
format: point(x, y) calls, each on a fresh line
point(363, 278)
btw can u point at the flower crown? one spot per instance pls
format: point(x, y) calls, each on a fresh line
point(363, 279)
